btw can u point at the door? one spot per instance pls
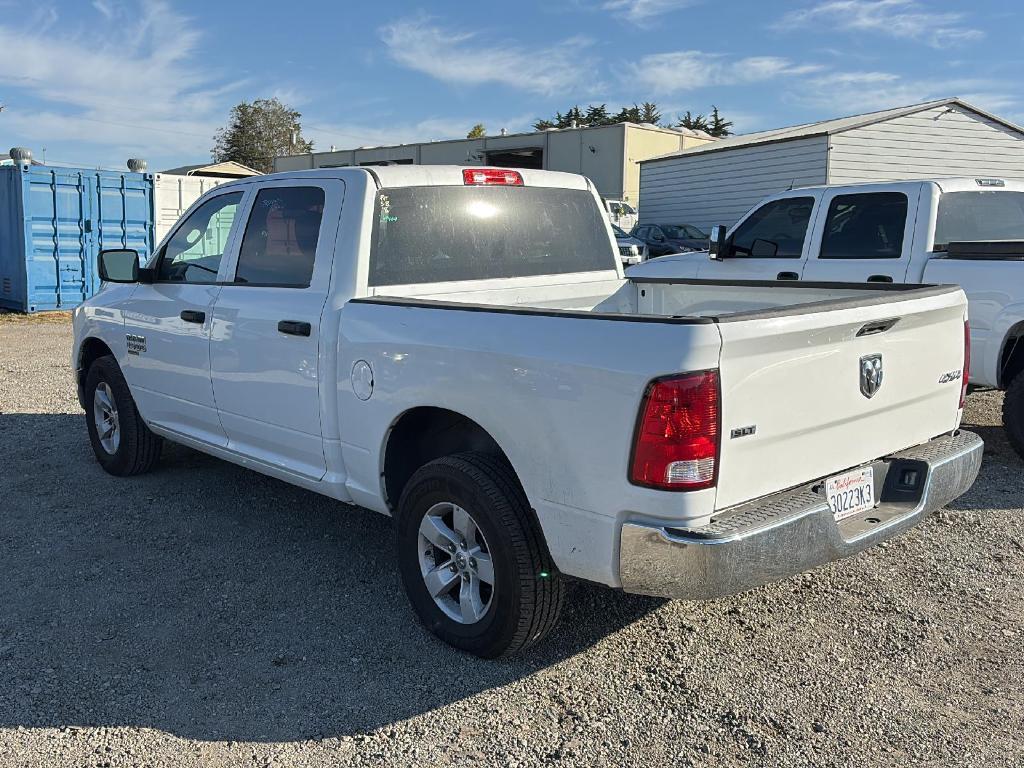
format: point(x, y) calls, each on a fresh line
point(865, 236)
point(769, 244)
point(169, 369)
point(265, 350)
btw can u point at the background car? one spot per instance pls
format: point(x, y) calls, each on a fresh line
point(631, 250)
point(663, 239)
point(621, 213)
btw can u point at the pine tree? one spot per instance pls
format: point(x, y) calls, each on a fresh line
point(718, 126)
point(649, 113)
point(477, 132)
point(688, 120)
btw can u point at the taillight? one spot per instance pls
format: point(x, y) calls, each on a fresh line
point(492, 176)
point(676, 444)
point(967, 363)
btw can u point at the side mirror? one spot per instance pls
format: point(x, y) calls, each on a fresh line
point(716, 244)
point(119, 265)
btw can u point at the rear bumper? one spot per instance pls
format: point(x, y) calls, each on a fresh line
point(792, 531)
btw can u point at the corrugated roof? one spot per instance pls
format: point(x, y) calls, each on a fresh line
point(827, 127)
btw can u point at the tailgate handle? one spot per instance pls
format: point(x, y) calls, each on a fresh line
point(878, 326)
point(192, 316)
point(787, 276)
point(880, 279)
point(294, 328)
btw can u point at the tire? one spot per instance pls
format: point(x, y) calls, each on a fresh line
point(130, 448)
point(1013, 414)
point(524, 599)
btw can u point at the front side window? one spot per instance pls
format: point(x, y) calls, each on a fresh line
point(776, 230)
point(865, 226)
point(279, 245)
point(194, 252)
point(967, 217)
point(449, 233)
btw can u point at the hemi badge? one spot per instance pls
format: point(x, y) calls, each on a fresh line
point(743, 431)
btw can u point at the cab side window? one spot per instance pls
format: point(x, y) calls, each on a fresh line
point(194, 252)
point(776, 230)
point(279, 245)
point(865, 226)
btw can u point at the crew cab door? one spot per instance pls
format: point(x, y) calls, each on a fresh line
point(265, 348)
point(769, 244)
point(865, 235)
point(170, 321)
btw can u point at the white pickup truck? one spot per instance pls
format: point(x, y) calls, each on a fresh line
point(458, 348)
point(964, 231)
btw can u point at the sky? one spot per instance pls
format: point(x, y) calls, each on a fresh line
point(92, 84)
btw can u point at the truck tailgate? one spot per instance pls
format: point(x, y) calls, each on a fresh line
point(796, 406)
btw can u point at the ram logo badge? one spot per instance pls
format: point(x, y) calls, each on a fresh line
point(870, 375)
point(136, 344)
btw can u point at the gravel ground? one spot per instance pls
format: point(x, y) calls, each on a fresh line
point(206, 615)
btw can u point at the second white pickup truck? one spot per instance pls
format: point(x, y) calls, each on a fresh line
point(963, 231)
point(458, 348)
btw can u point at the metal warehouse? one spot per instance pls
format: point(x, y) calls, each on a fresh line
point(718, 183)
point(609, 154)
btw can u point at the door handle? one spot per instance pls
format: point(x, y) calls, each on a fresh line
point(193, 316)
point(294, 328)
point(880, 279)
point(787, 276)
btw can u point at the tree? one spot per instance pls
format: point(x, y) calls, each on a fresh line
point(718, 127)
point(597, 115)
point(477, 132)
point(698, 123)
point(649, 113)
point(259, 131)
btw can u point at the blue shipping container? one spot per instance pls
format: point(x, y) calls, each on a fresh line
point(53, 224)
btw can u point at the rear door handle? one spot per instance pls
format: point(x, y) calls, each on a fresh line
point(193, 316)
point(294, 328)
point(787, 276)
point(880, 279)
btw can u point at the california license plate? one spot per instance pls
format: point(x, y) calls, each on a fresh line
point(851, 493)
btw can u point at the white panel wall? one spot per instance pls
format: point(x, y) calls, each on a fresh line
point(172, 196)
point(925, 145)
point(709, 188)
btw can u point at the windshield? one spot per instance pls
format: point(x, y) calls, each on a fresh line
point(441, 233)
point(683, 232)
point(966, 217)
point(619, 233)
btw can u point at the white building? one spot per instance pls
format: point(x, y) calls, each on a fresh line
point(609, 154)
point(717, 183)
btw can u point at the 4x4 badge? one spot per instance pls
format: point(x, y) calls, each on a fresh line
point(870, 375)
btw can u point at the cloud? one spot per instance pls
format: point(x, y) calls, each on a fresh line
point(141, 84)
point(641, 11)
point(464, 58)
point(663, 73)
point(905, 19)
point(847, 93)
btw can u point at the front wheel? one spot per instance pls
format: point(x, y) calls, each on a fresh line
point(122, 442)
point(1013, 414)
point(473, 563)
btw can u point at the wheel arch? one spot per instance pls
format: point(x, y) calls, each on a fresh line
point(90, 350)
point(1011, 355)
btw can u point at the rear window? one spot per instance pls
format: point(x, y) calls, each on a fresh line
point(441, 233)
point(966, 217)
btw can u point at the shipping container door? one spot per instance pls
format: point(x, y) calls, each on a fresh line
point(122, 213)
point(56, 212)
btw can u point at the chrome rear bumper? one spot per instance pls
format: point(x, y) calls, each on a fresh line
point(792, 531)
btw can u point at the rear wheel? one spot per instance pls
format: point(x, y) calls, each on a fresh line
point(122, 442)
point(473, 563)
point(1013, 414)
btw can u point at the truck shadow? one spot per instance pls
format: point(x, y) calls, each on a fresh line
point(211, 602)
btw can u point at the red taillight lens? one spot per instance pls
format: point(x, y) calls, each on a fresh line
point(676, 445)
point(967, 363)
point(492, 176)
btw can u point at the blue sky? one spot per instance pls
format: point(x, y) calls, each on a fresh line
point(95, 83)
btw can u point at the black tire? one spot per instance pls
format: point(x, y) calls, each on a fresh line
point(138, 449)
point(1013, 414)
point(527, 592)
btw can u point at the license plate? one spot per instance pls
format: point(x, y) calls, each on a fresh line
point(851, 493)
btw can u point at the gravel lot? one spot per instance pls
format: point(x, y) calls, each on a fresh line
point(206, 615)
